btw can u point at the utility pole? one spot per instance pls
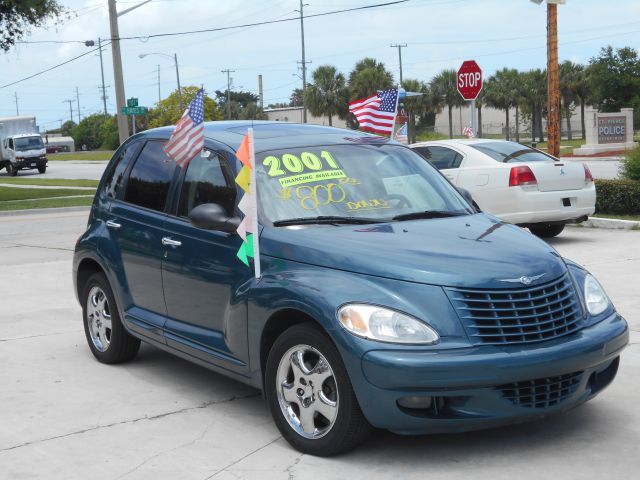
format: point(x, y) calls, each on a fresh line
point(553, 96)
point(123, 124)
point(15, 94)
point(260, 93)
point(175, 58)
point(70, 108)
point(303, 63)
point(228, 72)
point(78, 100)
point(400, 46)
point(104, 91)
point(159, 95)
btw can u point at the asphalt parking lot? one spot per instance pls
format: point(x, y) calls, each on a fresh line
point(92, 170)
point(65, 416)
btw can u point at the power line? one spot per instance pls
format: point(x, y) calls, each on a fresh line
point(50, 68)
point(268, 22)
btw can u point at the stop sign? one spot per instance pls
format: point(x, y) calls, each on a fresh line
point(469, 80)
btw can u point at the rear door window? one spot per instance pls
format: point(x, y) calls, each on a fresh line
point(150, 179)
point(114, 179)
point(441, 157)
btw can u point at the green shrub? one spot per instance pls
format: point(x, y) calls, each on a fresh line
point(630, 166)
point(618, 196)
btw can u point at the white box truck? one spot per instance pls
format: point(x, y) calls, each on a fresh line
point(21, 146)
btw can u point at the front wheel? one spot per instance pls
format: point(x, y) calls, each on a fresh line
point(42, 168)
point(546, 230)
point(12, 171)
point(310, 395)
point(108, 340)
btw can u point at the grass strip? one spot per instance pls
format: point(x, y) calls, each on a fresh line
point(95, 155)
point(46, 203)
point(9, 193)
point(48, 182)
point(635, 218)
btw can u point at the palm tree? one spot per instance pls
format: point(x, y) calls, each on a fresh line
point(327, 95)
point(534, 98)
point(503, 92)
point(569, 74)
point(583, 92)
point(445, 92)
point(367, 77)
point(416, 106)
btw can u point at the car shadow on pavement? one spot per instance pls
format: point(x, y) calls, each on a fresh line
point(585, 422)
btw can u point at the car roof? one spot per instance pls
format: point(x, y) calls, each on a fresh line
point(276, 135)
point(460, 141)
point(21, 135)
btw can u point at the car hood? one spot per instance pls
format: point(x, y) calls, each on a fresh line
point(467, 251)
point(34, 152)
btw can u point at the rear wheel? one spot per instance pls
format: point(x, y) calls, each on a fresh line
point(108, 340)
point(310, 395)
point(546, 230)
point(42, 168)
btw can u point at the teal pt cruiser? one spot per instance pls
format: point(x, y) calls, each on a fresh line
point(386, 299)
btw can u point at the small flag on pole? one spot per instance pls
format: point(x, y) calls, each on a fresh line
point(468, 132)
point(248, 228)
point(187, 140)
point(377, 114)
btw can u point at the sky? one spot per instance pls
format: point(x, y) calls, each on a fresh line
point(439, 34)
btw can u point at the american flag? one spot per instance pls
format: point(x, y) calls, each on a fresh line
point(187, 139)
point(468, 132)
point(401, 135)
point(377, 113)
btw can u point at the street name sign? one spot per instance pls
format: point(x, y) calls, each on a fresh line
point(134, 110)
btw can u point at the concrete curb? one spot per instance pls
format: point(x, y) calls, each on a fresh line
point(35, 211)
point(609, 223)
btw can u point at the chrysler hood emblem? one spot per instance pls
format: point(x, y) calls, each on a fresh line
point(523, 280)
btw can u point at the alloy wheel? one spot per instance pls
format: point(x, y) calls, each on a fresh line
point(307, 391)
point(99, 318)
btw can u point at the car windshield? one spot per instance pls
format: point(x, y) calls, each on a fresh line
point(362, 183)
point(511, 152)
point(28, 143)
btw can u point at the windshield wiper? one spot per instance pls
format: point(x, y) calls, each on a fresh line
point(428, 214)
point(328, 219)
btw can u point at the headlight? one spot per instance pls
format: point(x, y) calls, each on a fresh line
point(594, 296)
point(384, 325)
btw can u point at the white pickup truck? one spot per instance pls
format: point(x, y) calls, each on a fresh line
point(21, 146)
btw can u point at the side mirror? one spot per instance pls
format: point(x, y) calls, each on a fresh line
point(212, 216)
point(467, 195)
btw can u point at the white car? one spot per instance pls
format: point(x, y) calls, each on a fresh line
point(516, 183)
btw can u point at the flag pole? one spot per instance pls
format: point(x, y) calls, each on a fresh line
point(254, 192)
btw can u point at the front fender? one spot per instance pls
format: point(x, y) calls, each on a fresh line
point(318, 292)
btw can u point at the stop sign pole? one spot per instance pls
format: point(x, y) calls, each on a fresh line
point(469, 82)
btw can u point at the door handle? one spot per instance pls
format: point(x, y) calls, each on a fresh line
point(112, 224)
point(170, 242)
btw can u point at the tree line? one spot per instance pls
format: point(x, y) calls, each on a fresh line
point(610, 81)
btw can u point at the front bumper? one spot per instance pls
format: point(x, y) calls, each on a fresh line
point(31, 163)
point(468, 386)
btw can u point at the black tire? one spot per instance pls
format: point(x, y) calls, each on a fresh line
point(12, 171)
point(547, 230)
point(349, 428)
point(121, 346)
point(42, 168)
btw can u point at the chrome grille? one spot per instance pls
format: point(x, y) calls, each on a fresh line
point(542, 392)
point(528, 314)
